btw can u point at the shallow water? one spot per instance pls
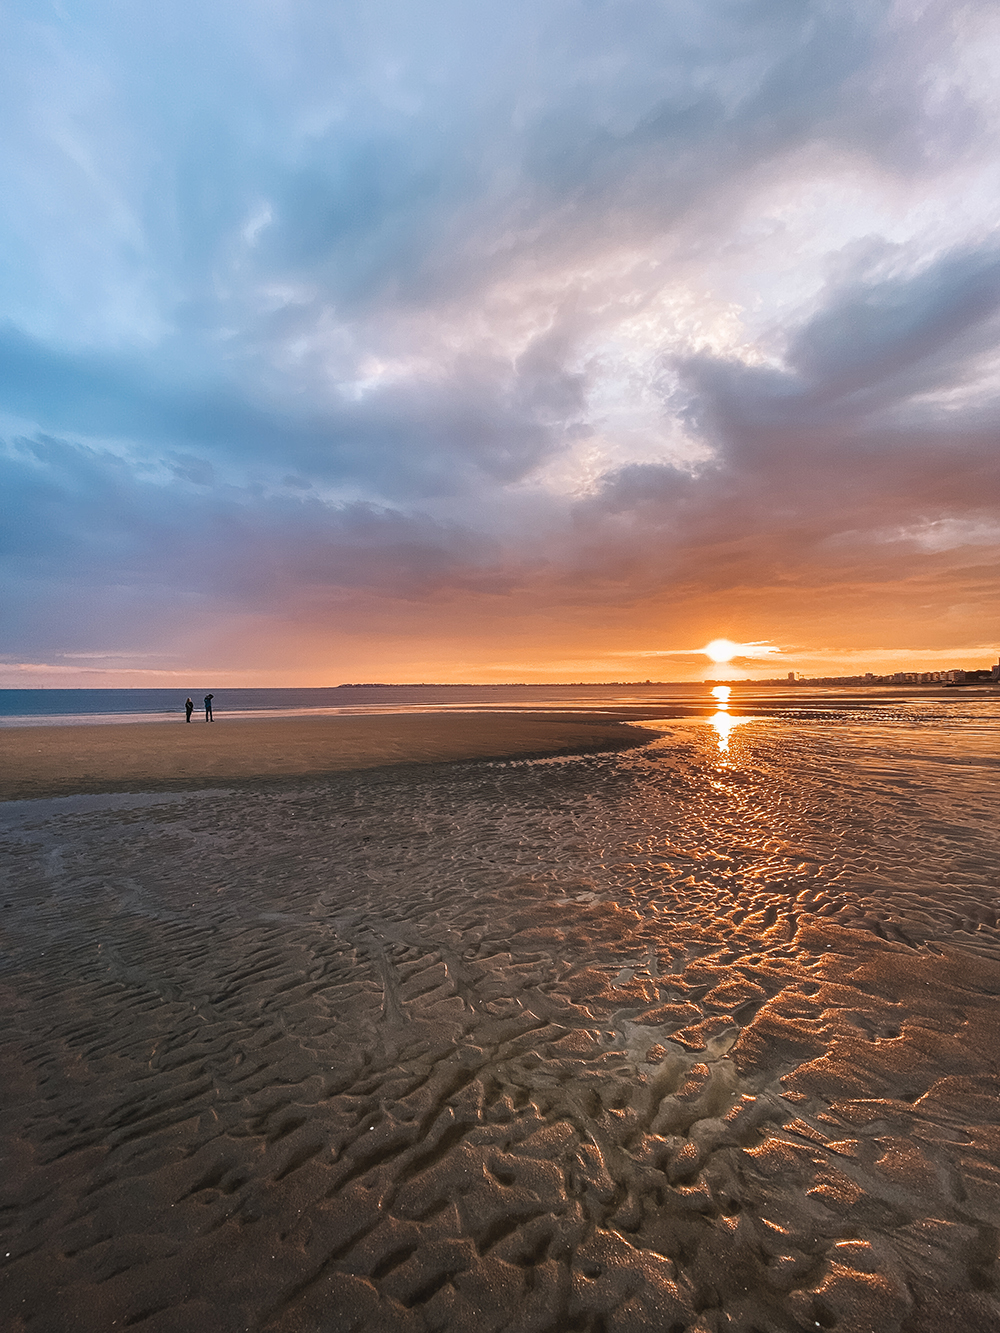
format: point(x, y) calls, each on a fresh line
point(680, 1038)
point(49, 707)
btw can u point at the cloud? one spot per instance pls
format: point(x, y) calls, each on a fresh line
point(494, 311)
point(883, 338)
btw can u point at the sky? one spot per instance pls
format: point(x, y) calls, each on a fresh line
point(396, 340)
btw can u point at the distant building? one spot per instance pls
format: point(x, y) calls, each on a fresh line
point(954, 676)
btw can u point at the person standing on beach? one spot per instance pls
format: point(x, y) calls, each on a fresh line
point(208, 707)
point(188, 709)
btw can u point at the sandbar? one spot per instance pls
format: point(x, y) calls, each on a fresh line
point(40, 762)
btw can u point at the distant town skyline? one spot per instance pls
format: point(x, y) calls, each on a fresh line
point(954, 676)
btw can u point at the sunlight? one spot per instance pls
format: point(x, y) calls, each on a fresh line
point(724, 650)
point(721, 650)
point(723, 722)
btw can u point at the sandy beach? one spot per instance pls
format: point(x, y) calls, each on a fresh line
point(657, 1039)
point(157, 756)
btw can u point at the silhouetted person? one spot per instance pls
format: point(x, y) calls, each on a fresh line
point(208, 707)
point(188, 709)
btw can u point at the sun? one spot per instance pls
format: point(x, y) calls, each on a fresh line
point(722, 650)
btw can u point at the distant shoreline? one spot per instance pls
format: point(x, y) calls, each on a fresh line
point(974, 676)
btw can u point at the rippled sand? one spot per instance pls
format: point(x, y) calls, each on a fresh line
point(661, 1040)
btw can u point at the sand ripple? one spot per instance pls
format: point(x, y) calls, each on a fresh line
point(626, 1042)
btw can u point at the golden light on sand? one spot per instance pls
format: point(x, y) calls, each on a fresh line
point(722, 724)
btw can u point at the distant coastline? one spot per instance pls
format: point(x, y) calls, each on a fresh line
point(981, 675)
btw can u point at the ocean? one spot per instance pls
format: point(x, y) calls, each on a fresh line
point(23, 707)
point(20, 707)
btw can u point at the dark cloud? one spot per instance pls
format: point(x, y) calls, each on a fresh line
point(823, 460)
point(870, 335)
point(75, 518)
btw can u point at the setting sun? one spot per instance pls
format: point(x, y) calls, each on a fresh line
point(724, 650)
point(721, 650)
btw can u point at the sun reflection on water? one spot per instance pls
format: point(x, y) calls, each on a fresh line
point(723, 722)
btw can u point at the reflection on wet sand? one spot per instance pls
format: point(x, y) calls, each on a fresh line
point(638, 1041)
point(722, 721)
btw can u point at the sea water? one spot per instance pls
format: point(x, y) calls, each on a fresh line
point(21, 707)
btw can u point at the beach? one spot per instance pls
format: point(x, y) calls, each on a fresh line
point(525, 1023)
point(156, 756)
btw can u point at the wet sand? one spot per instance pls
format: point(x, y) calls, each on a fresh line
point(655, 1040)
point(158, 756)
